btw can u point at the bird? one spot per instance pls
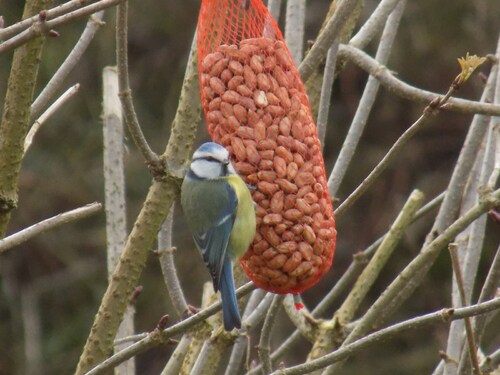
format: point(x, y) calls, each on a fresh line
point(220, 214)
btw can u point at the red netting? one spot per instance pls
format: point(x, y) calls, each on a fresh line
point(256, 106)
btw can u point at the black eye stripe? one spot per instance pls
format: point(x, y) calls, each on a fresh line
point(209, 158)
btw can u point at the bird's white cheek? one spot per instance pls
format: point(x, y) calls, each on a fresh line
point(206, 169)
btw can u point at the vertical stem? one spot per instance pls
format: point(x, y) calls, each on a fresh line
point(166, 257)
point(326, 91)
point(114, 191)
point(125, 92)
point(294, 28)
point(265, 337)
point(365, 104)
point(274, 8)
point(468, 326)
point(16, 114)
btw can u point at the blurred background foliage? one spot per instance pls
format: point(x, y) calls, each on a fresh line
point(51, 286)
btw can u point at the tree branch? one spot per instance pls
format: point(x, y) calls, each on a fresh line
point(365, 104)
point(40, 27)
point(55, 83)
point(413, 273)
point(404, 90)
point(69, 93)
point(264, 347)
point(318, 52)
point(161, 195)
point(114, 191)
point(158, 337)
point(16, 115)
point(152, 159)
point(48, 224)
point(389, 332)
point(50, 13)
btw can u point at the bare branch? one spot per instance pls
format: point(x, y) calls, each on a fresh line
point(48, 224)
point(241, 344)
point(40, 28)
point(300, 318)
point(387, 79)
point(432, 109)
point(347, 279)
point(50, 14)
point(325, 39)
point(374, 24)
point(389, 332)
point(152, 159)
point(166, 257)
point(55, 83)
point(416, 270)
point(16, 115)
point(161, 196)
point(264, 347)
point(365, 104)
point(114, 191)
point(364, 282)
point(69, 93)
point(326, 90)
point(175, 361)
point(468, 325)
point(157, 337)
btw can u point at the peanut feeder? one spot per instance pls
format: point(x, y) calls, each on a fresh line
point(256, 106)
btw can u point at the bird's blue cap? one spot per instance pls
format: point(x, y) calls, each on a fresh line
point(210, 147)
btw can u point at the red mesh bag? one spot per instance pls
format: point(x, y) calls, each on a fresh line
point(256, 106)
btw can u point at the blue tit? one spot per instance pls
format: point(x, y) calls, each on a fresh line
point(220, 213)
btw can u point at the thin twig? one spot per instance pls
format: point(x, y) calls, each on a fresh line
point(468, 325)
point(40, 28)
point(325, 39)
point(404, 90)
point(166, 258)
point(152, 159)
point(48, 224)
point(365, 104)
point(455, 342)
point(157, 337)
point(57, 11)
point(326, 91)
point(69, 93)
point(470, 260)
point(389, 332)
point(55, 83)
point(374, 24)
point(430, 110)
point(264, 347)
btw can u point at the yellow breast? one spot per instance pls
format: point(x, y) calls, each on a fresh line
point(243, 231)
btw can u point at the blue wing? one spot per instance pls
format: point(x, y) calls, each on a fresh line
point(213, 241)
